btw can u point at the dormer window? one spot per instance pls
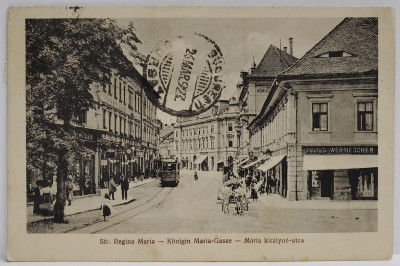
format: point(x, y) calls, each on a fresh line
point(335, 54)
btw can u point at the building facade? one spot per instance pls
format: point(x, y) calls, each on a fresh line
point(318, 128)
point(128, 144)
point(167, 142)
point(208, 141)
point(121, 132)
point(254, 89)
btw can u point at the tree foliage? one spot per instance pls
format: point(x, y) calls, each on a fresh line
point(63, 58)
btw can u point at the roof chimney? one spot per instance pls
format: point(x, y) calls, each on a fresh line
point(285, 49)
point(291, 45)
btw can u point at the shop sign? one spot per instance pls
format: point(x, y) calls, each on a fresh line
point(340, 150)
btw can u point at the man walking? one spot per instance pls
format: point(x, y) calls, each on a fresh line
point(124, 187)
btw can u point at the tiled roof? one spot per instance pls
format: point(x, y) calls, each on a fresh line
point(274, 62)
point(354, 36)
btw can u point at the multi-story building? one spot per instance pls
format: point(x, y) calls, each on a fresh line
point(208, 141)
point(167, 142)
point(127, 125)
point(255, 87)
point(121, 133)
point(317, 129)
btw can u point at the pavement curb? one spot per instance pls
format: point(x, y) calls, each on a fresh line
point(93, 209)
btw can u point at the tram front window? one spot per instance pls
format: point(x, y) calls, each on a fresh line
point(169, 167)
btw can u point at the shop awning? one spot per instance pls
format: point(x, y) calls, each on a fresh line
point(200, 159)
point(244, 161)
point(253, 163)
point(330, 162)
point(240, 158)
point(271, 163)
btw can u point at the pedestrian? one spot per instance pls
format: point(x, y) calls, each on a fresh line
point(69, 190)
point(226, 193)
point(258, 176)
point(254, 194)
point(248, 180)
point(274, 182)
point(106, 178)
point(242, 195)
point(53, 188)
point(38, 197)
point(124, 187)
point(106, 207)
point(262, 190)
point(158, 173)
point(112, 188)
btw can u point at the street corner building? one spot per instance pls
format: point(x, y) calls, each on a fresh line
point(121, 129)
point(317, 131)
point(208, 141)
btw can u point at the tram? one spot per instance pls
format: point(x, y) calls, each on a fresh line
point(169, 172)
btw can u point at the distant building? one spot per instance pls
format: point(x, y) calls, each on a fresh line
point(318, 129)
point(208, 141)
point(167, 142)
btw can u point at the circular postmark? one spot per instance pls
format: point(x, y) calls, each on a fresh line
point(186, 74)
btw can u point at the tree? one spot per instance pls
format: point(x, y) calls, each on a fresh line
point(63, 58)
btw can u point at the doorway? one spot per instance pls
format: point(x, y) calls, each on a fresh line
point(326, 183)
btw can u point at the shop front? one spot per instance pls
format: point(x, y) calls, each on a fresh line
point(341, 172)
point(185, 163)
point(201, 163)
point(275, 169)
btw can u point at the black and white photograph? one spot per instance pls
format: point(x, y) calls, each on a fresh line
point(197, 128)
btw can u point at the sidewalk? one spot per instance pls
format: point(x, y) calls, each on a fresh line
point(88, 203)
point(277, 201)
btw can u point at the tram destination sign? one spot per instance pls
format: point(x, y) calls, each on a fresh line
point(340, 149)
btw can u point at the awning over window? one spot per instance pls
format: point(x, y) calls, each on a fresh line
point(200, 159)
point(244, 161)
point(253, 163)
point(273, 161)
point(330, 162)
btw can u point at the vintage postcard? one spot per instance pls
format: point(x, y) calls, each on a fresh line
point(200, 133)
